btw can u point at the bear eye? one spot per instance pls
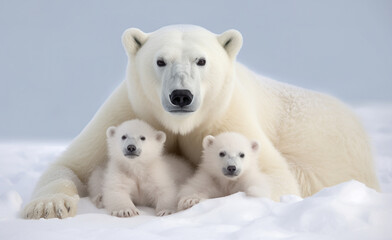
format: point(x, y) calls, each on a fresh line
point(242, 155)
point(201, 62)
point(142, 138)
point(161, 63)
point(222, 154)
point(123, 137)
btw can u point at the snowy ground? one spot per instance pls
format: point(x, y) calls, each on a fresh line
point(346, 211)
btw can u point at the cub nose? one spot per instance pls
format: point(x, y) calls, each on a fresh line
point(231, 169)
point(131, 148)
point(181, 97)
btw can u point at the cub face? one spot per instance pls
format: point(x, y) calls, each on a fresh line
point(135, 139)
point(229, 154)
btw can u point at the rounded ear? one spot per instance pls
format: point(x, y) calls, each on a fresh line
point(231, 41)
point(133, 39)
point(160, 136)
point(255, 146)
point(208, 141)
point(111, 131)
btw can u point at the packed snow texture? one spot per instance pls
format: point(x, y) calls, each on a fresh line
point(347, 211)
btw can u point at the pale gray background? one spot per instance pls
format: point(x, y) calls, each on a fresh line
point(59, 60)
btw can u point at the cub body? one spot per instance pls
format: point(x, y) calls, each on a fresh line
point(229, 165)
point(137, 172)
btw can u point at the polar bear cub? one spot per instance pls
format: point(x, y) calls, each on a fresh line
point(229, 165)
point(137, 172)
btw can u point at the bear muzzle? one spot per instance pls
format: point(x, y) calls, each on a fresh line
point(180, 101)
point(132, 151)
point(231, 171)
point(181, 98)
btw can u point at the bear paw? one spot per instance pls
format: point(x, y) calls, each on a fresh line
point(130, 212)
point(186, 203)
point(165, 212)
point(57, 205)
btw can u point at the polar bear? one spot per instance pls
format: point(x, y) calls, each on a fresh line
point(229, 164)
point(137, 172)
point(185, 80)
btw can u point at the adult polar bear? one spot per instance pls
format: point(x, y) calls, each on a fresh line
point(185, 81)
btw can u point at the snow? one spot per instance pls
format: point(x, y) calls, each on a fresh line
point(349, 210)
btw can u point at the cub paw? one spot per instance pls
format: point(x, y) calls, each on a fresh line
point(130, 212)
point(186, 203)
point(52, 206)
point(165, 212)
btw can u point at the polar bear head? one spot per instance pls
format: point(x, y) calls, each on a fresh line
point(135, 140)
point(183, 74)
point(229, 154)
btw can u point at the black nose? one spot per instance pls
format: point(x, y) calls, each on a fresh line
point(181, 97)
point(231, 169)
point(131, 148)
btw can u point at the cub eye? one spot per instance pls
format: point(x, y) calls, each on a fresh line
point(142, 138)
point(222, 154)
point(123, 137)
point(242, 155)
point(201, 62)
point(161, 63)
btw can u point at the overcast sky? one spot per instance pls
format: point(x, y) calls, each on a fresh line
point(59, 60)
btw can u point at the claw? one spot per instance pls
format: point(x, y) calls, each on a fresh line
point(46, 214)
point(59, 213)
point(67, 206)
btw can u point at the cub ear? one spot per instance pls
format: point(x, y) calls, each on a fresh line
point(133, 39)
point(255, 146)
point(160, 136)
point(110, 131)
point(208, 141)
point(231, 41)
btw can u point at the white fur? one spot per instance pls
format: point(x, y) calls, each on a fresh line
point(209, 180)
point(150, 179)
point(310, 140)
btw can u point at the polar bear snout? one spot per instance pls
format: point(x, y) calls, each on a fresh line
point(181, 89)
point(181, 101)
point(231, 171)
point(181, 98)
point(131, 151)
point(131, 148)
